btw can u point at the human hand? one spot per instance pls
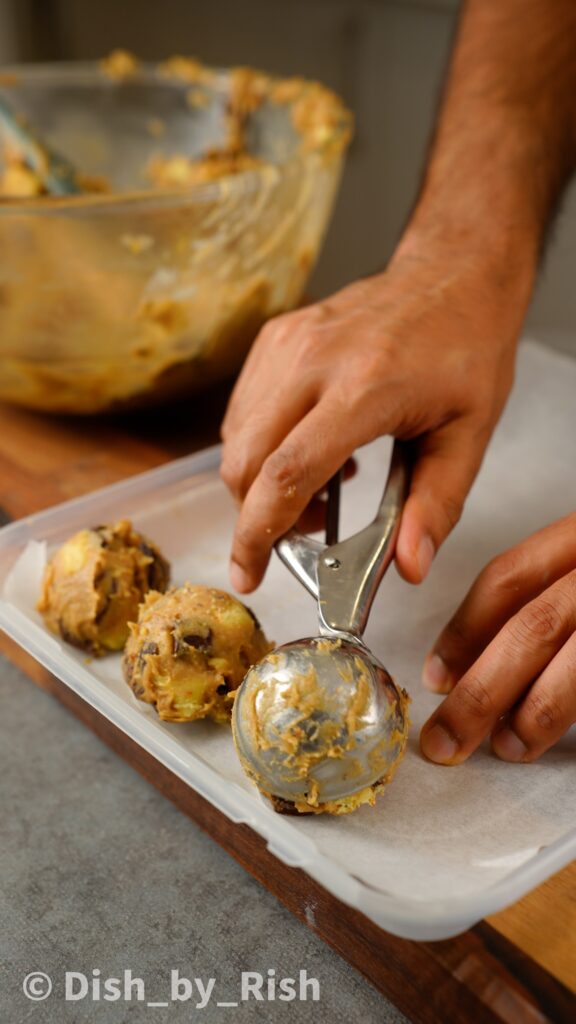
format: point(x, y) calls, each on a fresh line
point(507, 658)
point(422, 352)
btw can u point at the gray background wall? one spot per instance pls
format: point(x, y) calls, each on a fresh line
point(386, 57)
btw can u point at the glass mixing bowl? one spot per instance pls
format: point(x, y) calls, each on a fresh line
point(133, 295)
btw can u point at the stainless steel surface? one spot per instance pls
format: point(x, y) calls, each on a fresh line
point(349, 573)
point(344, 577)
point(310, 730)
point(320, 719)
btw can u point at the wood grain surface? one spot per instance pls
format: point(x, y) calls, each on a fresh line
point(518, 967)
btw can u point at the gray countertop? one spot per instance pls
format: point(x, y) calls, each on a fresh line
point(99, 872)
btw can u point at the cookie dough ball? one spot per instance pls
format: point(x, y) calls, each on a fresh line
point(94, 583)
point(189, 651)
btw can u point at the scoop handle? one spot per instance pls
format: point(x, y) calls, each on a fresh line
point(349, 573)
point(345, 577)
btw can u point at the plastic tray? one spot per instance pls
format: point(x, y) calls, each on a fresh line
point(443, 847)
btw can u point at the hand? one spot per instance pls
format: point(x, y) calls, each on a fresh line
point(508, 656)
point(423, 352)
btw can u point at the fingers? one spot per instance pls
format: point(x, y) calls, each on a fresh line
point(501, 676)
point(289, 478)
point(447, 462)
point(505, 585)
point(545, 714)
point(266, 425)
point(273, 393)
point(254, 381)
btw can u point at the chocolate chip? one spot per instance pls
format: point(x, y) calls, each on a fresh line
point(200, 643)
point(282, 806)
point(158, 569)
point(147, 648)
point(223, 688)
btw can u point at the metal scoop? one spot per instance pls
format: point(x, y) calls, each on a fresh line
point(320, 719)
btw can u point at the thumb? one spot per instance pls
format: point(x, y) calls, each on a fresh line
point(447, 461)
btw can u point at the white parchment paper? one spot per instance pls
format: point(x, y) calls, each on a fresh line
point(437, 832)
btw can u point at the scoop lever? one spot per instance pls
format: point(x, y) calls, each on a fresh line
point(344, 577)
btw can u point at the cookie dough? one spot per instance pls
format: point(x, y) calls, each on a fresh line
point(336, 807)
point(345, 804)
point(94, 583)
point(173, 171)
point(189, 651)
point(165, 296)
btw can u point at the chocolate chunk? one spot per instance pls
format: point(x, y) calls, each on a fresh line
point(147, 648)
point(181, 645)
point(158, 569)
point(282, 806)
point(201, 643)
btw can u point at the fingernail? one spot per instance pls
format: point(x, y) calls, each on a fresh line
point(425, 555)
point(239, 578)
point(438, 745)
point(508, 746)
point(435, 674)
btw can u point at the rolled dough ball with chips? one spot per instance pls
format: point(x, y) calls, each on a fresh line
point(190, 650)
point(95, 582)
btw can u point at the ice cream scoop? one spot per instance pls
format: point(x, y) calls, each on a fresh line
point(319, 723)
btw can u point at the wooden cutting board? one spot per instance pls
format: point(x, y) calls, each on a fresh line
point(520, 966)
